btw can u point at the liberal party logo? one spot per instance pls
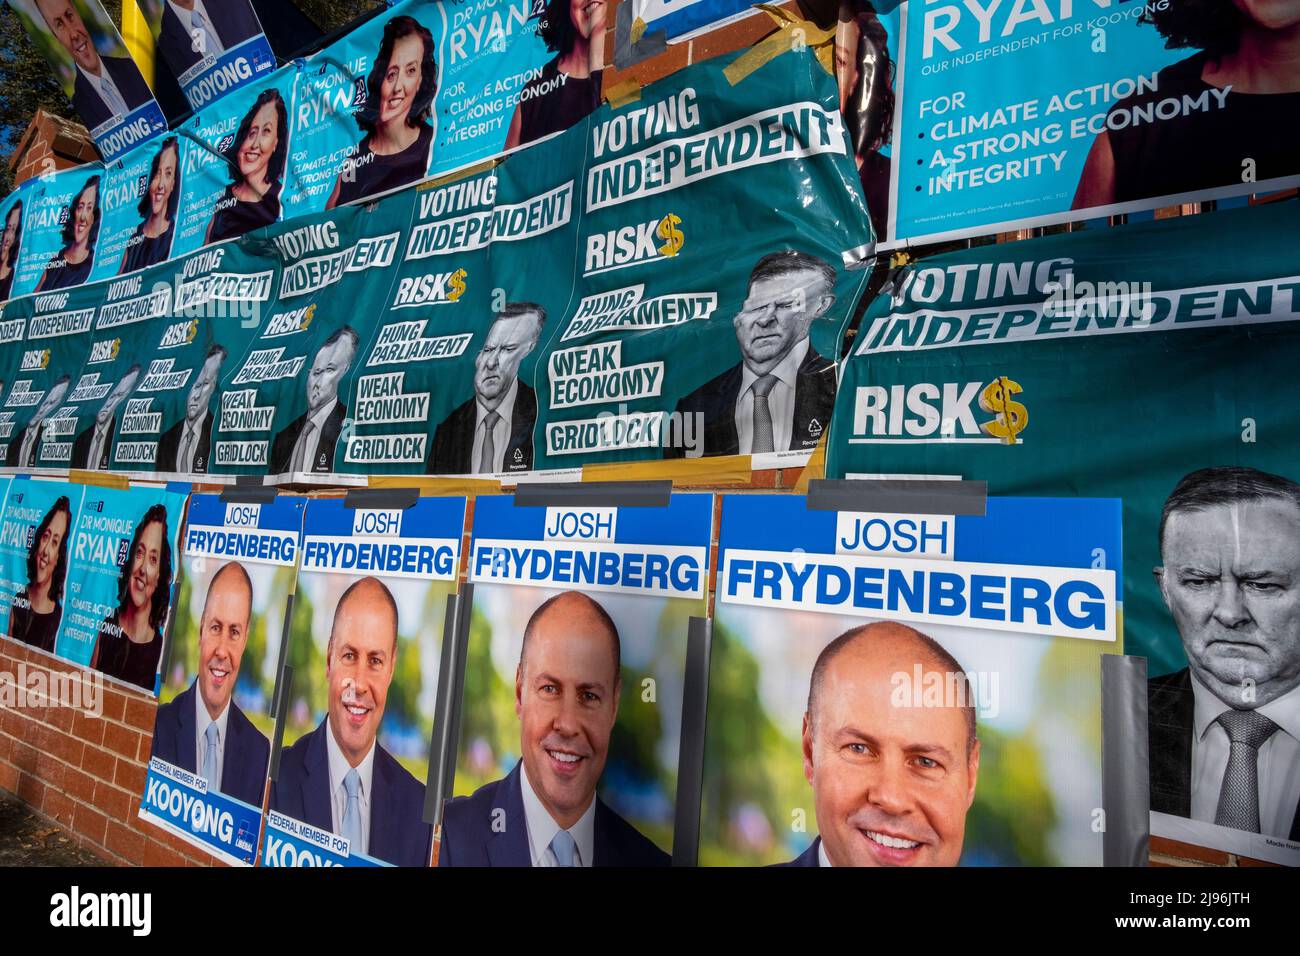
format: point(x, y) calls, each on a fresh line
point(632, 245)
point(939, 412)
point(104, 351)
point(35, 360)
point(179, 333)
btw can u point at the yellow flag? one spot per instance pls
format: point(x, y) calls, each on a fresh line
point(139, 40)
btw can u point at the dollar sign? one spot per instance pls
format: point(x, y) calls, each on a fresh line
point(1010, 416)
point(457, 283)
point(672, 236)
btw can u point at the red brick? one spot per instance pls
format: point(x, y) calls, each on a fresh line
point(98, 763)
point(50, 770)
point(89, 729)
point(58, 806)
point(155, 854)
point(140, 714)
point(14, 650)
point(61, 717)
point(79, 786)
point(125, 842)
point(114, 704)
point(8, 777)
point(89, 823)
point(6, 746)
point(24, 757)
point(130, 776)
point(1187, 851)
point(1247, 861)
point(763, 479)
point(123, 741)
point(66, 747)
point(112, 802)
point(30, 790)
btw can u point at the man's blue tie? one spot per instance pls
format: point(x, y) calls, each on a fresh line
point(563, 847)
point(210, 756)
point(352, 810)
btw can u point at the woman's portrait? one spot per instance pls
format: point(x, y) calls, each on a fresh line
point(399, 101)
point(257, 158)
point(38, 607)
point(129, 644)
point(572, 29)
point(864, 71)
point(71, 265)
point(151, 242)
point(1233, 91)
point(10, 241)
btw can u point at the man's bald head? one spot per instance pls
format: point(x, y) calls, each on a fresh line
point(230, 575)
point(574, 606)
point(373, 597)
point(897, 639)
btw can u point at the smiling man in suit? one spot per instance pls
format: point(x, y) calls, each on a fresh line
point(545, 812)
point(91, 448)
point(780, 395)
point(185, 448)
point(338, 777)
point(307, 443)
point(1225, 730)
point(106, 86)
point(202, 730)
point(892, 783)
point(192, 30)
point(493, 431)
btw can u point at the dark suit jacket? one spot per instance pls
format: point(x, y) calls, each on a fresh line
point(169, 447)
point(398, 833)
point(282, 447)
point(14, 450)
point(81, 448)
point(234, 20)
point(468, 838)
point(808, 857)
point(814, 397)
point(125, 75)
point(1170, 728)
point(246, 754)
point(453, 441)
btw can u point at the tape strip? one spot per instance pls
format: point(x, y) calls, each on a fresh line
point(103, 479)
point(433, 487)
point(816, 467)
point(791, 30)
point(682, 472)
point(622, 93)
point(593, 494)
point(387, 498)
point(249, 494)
point(899, 496)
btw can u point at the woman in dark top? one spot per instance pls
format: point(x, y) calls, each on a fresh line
point(400, 91)
point(9, 244)
point(152, 240)
point(37, 609)
point(573, 29)
point(71, 265)
point(1237, 99)
point(865, 73)
point(257, 155)
point(129, 644)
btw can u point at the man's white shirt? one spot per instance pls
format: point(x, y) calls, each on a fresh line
point(309, 438)
point(542, 828)
point(500, 429)
point(102, 85)
point(201, 721)
point(780, 401)
point(213, 44)
point(339, 767)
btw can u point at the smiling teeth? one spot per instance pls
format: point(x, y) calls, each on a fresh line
point(896, 843)
point(565, 758)
point(358, 711)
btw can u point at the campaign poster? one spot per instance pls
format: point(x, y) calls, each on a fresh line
point(294, 393)
point(142, 203)
point(13, 329)
point(236, 168)
point(92, 65)
point(62, 217)
point(1028, 114)
point(11, 242)
point(679, 20)
point(211, 48)
point(705, 323)
point(35, 540)
point(571, 720)
point(40, 421)
point(212, 736)
point(120, 592)
point(215, 302)
point(1029, 364)
point(909, 690)
point(365, 644)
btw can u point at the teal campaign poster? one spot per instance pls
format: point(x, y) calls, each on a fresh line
point(142, 203)
point(1021, 114)
point(35, 539)
point(12, 211)
point(120, 592)
point(94, 68)
point(1049, 367)
point(910, 690)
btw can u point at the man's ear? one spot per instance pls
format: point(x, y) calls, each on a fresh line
point(1159, 574)
point(519, 690)
point(827, 300)
point(973, 772)
point(808, 748)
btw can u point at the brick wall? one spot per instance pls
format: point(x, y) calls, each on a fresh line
point(48, 144)
point(87, 774)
